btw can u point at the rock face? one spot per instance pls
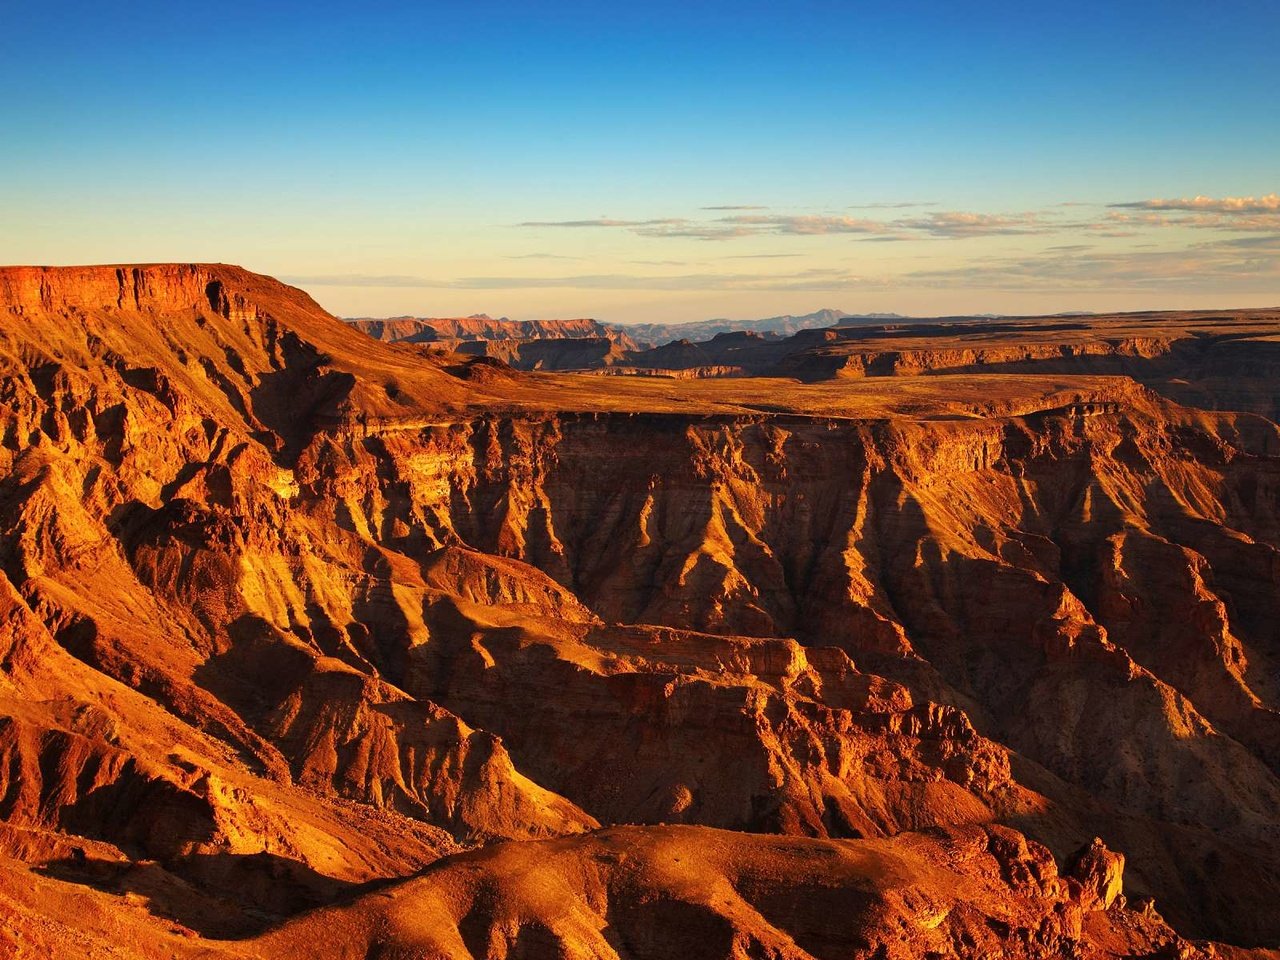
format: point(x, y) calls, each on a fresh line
point(524, 344)
point(483, 328)
point(1101, 874)
point(286, 611)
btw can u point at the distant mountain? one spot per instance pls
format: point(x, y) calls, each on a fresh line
point(449, 331)
point(656, 334)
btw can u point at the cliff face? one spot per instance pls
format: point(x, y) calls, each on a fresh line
point(1092, 587)
point(526, 344)
point(290, 610)
point(558, 353)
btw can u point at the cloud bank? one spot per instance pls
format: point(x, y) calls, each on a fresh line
point(1084, 251)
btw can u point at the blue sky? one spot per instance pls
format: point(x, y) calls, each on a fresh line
point(557, 159)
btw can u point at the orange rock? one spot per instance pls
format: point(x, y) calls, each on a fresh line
point(1100, 873)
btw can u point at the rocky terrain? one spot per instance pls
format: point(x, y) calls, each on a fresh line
point(526, 344)
point(1215, 359)
point(930, 640)
point(1221, 360)
point(483, 327)
point(636, 336)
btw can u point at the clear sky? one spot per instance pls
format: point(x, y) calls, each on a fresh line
point(657, 161)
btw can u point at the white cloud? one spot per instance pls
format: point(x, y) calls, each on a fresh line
point(955, 224)
point(806, 225)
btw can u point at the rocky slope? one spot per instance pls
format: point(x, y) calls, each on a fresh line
point(289, 612)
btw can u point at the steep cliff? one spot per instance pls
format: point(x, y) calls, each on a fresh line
point(527, 344)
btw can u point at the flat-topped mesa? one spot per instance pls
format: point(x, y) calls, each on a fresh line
point(219, 333)
point(158, 287)
point(132, 308)
point(483, 327)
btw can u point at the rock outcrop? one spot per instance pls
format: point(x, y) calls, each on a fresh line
point(483, 328)
point(524, 344)
point(1100, 873)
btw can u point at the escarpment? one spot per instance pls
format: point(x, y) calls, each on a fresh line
point(527, 344)
point(483, 329)
point(864, 665)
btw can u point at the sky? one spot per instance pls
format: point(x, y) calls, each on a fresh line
point(659, 161)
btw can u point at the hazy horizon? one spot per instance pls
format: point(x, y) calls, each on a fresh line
point(797, 314)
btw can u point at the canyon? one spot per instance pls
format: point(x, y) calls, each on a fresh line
point(887, 639)
point(450, 332)
point(1222, 360)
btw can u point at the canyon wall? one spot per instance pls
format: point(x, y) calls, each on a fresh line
point(291, 611)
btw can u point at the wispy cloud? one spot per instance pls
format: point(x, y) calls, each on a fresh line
point(743, 206)
point(1243, 214)
point(807, 225)
point(1200, 221)
point(694, 231)
point(1271, 242)
point(1221, 265)
point(901, 205)
point(1089, 251)
point(683, 281)
point(954, 224)
point(1240, 264)
point(814, 279)
point(540, 256)
point(357, 280)
point(950, 224)
point(603, 222)
point(1200, 204)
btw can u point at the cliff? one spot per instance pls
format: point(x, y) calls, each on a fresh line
point(451, 331)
